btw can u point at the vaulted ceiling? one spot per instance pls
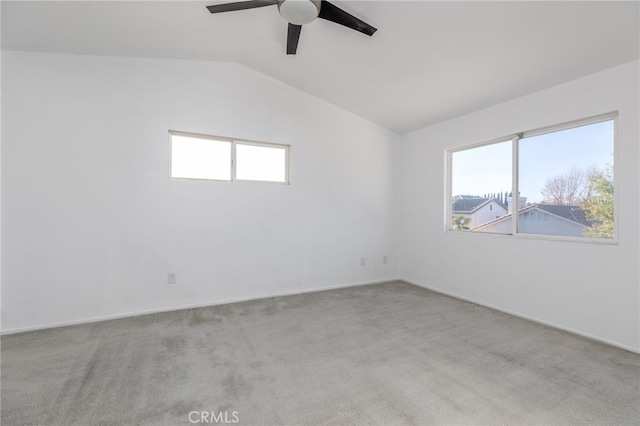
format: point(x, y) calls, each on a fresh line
point(428, 61)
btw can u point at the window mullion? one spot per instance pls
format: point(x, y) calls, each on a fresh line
point(447, 191)
point(515, 196)
point(233, 161)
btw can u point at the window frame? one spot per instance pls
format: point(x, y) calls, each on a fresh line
point(515, 139)
point(234, 142)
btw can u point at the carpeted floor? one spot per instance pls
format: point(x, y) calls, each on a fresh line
point(385, 354)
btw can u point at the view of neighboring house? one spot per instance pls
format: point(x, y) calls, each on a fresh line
point(477, 210)
point(541, 219)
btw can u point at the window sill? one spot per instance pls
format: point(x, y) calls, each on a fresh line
point(598, 241)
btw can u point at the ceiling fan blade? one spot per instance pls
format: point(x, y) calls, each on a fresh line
point(293, 35)
point(241, 5)
point(333, 13)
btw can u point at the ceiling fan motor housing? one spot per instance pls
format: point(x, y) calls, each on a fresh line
point(299, 12)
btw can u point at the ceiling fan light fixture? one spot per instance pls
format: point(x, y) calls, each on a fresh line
point(299, 12)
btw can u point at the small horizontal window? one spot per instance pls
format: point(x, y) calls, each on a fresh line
point(210, 158)
point(200, 158)
point(261, 163)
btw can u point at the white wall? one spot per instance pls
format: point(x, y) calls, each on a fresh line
point(0, 178)
point(588, 288)
point(92, 224)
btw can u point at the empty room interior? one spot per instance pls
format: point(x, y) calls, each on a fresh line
point(296, 212)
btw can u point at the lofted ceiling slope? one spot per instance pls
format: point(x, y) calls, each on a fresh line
point(428, 62)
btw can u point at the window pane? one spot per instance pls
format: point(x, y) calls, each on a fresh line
point(566, 177)
point(262, 163)
point(200, 158)
point(480, 184)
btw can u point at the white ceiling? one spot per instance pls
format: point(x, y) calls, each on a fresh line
point(429, 61)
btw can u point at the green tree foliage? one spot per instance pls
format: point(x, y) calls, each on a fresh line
point(598, 205)
point(460, 223)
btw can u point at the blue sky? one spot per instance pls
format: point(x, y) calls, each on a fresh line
point(487, 169)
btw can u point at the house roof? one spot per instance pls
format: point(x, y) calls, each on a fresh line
point(573, 213)
point(467, 205)
point(570, 213)
point(470, 203)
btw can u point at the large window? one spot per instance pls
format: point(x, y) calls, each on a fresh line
point(480, 182)
point(207, 157)
point(563, 177)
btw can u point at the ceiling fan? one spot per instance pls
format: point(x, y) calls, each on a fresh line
point(298, 13)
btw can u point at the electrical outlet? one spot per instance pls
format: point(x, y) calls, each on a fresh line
point(363, 261)
point(172, 278)
point(384, 259)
